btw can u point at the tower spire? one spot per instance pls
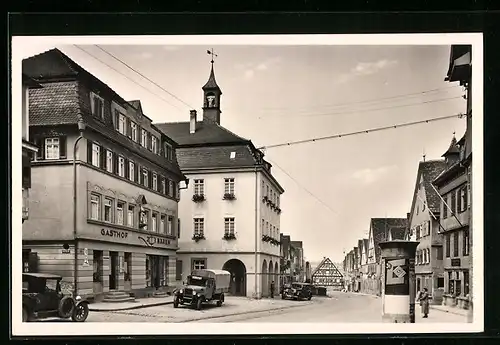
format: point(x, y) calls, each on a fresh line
point(211, 95)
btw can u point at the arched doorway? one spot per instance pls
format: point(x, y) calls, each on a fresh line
point(271, 275)
point(265, 286)
point(238, 283)
point(277, 276)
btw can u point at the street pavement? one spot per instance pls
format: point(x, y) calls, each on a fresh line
point(337, 308)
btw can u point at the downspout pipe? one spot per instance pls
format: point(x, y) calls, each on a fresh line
point(256, 230)
point(81, 128)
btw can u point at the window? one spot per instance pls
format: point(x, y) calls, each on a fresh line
point(145, 177)
point(428, 256)
point(154, 222)
point(163, 185)
point(162, 225)
point(154, 144)
point(439, 254)
point(229, 226)
point(199, 225)
point(130, 216)
point(199, 264)
point(155, 182)
point(229, 186)
point(263, 188)
point(267, 191)
point(440, 282)
point(119, 212)
point(144, 138)
point(109, 161)
point(448, 245)
point(465, 244)
point(463, 199)
point(445, 208)
point(133, 129)
point(267, 228)
point(52, 148)
point(199, 187)
point(262, 226)
point(108, 214)
point(168, 152)
point(95, 201)
point(97, 266)
point(121, 166)
point(417, 230)
point(455, 244)
point(453, 205)
point(466, 283)
point(122, 124)
point(97, 105)
point(131, 171)
point(170, 225)
point(96, 155)
point(170, 188)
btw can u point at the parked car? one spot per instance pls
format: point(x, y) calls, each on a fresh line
point(203, 286)
point(298, 291)
point(43, 298)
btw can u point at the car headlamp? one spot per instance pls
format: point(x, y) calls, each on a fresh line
point(78, 298)
point(181, 291)
point(194, 293)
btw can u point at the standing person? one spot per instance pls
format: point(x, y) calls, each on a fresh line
point(272, 289)
point(424, 302)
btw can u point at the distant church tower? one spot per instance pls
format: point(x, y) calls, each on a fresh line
point(211, 99)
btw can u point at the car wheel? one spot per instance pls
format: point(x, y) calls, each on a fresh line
point(80, 312)
point(309, 298)
point(221, 299)
point(198, 304)
point(66, 307)
point(176, 302)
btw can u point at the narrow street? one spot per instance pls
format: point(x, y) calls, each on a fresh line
point(339, 308)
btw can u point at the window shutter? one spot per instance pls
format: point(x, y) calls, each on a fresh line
point(139, 134)
point(41, 148)
point(150, 179)
point(141, 176)
point(116, 118)
point(62, 147)
point(102, 155)
point(115, 163)
point(126, 168)
point(89, 151)
point(136, 172)
point(149, 141)
point(129, 128)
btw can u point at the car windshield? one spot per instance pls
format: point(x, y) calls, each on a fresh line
point(195, 280)
point(51, 284)
point(297, 286)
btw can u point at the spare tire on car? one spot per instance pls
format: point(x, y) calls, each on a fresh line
point(66, 307)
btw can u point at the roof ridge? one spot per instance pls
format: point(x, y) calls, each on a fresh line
point(69, 63)
point(227, 130)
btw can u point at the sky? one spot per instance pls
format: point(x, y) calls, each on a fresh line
point(279, 94)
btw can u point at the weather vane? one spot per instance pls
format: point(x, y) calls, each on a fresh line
point(211, 52)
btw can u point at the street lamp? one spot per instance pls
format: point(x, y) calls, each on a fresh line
point(81, 129)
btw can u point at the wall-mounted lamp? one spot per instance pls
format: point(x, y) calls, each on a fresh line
point(186, 184)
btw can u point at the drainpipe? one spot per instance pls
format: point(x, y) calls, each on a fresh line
point(81, 128)
point(256, 230)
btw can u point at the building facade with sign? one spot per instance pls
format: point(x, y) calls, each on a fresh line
point(426, 229)
point(105, 185)
point(230, 215)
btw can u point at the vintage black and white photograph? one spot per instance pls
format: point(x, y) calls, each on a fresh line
point(285, 184)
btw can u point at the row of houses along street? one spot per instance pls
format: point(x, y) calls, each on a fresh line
point(114, 202)
point(440, 218)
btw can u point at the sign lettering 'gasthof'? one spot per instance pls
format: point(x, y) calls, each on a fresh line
point(114, 233)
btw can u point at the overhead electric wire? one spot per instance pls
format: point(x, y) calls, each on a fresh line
point(142, 75)
point(375, 100)
point(368, 110)
point(301, 186)
point(335, 136)
point(132, 80)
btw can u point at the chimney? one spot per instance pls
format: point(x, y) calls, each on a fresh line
point(192, 121)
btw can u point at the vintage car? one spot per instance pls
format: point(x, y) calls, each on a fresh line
point(43, 298)
point(203, 286)
point(297, 291)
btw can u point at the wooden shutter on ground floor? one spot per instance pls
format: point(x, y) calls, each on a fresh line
point(127, 170)
point(89, 151)
point(62, 147)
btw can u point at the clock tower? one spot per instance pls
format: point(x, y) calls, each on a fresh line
point(211, 99)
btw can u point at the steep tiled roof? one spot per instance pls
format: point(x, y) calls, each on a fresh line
point(380, 230)
point(453, 148)
point(215, 157)
point(206, 133)
point(54, 104)
point(211, 83)
point(50, 64)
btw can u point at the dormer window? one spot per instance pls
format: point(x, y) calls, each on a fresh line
point(97, 105)
point(168, 152)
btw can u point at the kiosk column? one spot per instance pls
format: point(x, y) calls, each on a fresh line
point(398, 285)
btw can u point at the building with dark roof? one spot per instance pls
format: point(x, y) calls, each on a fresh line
point(232, 208)
point(105, 184)
point(455, 187)
point(425, 228)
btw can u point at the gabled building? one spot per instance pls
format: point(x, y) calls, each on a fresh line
point(363, 270)
point(105, 185)
point(381, 229)
point(327, 274)
point(425, 228)
point(231, 210)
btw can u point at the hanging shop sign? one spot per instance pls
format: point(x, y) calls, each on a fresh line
point(151, 241)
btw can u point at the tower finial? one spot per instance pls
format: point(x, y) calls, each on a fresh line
point(423, 155)
point(211, 52)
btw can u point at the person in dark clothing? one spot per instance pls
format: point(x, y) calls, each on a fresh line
point(272, 289)
point(424, 302)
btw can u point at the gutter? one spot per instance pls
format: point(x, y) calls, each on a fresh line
point(81, 128)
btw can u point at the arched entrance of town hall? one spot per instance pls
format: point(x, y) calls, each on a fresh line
point(238, 284)
point(264, 279)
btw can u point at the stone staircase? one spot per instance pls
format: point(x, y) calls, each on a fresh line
point(161, 294)
point(116, 296)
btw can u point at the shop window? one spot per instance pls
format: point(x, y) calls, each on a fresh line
point(128, 267)
point(97, 264)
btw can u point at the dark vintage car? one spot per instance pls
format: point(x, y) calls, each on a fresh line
point(43, 298)
point(297, 291)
